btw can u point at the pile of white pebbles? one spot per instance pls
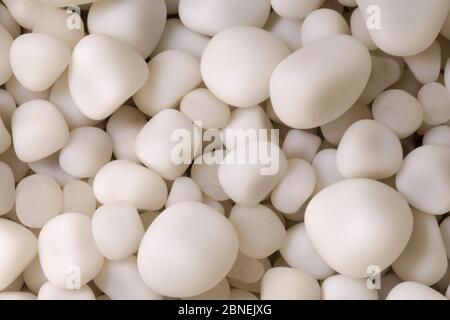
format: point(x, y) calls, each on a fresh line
point(224, 149)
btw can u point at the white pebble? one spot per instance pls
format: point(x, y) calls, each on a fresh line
point(435, 100)
point(124, 180)
point(67, 251)
point(295, 188)
point(369, 149)
point(202, 241)
point(38, 199)
point(299, 253)
point(237, 64)
point(259, 230)
point(79, 197)
point(398, 110)
point(5, 46)
point(339, 287)
point(295, 9)
point(301, 144)
point(246, 269)
point(38, 130)
point(172, 74)
point(49, 291)
point(87, 150)
point(439, 136)
point(357, 223)
point(7, 189)
point(183, 189)
point(294, 82)
point(426, 187)
point(411, 290)
point(426, 65)
point(322, 23)
point(283, 283)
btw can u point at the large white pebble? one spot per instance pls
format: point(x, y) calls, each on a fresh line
point(183, 189)
point(295, 9)
point(79, 197)
point(38, 130)
point(38, 59)
point(5, 46)
point(18, 246)
point(87, 150)
point(323, 23)
point(17, 295)
point(283, 283)
point(117, 230)
point(124, 180)
point(250, 172)
point(398, 110)
point(411, 290)
point(295, 187)
point(334, 130)
point(167, 143)
point(120, 280)
point(103, 74)
point(67, 251)
point(426, 65)
point(7, 107)
point(391, 22)
point(358, 223)
point(259, 229)
point(299, 253)
point(212, 16)
point(172, 74)
point(201, 241)
point(339, 287)
point(237, 64)
point(307, 89)
point(424, 259)
point(424, 179)
point(7, 189)
point(138, 23)
point(178, 37)
point(38, 199)
point(123, 127)
point(62, 99)
point(369, 149)
point(202, 106)
point(49, 291)
point(435, 100)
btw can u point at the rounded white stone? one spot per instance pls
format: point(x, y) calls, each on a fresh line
point(435, 100)
point(212, 16)
point(124, 180)
point(5, 46)
point(38, 199)
point(259, 230)
point(103, 74)
point(295, 9)
point(358, 223)
point(424, 179)
point(283, 283)
point(323, 23)
point(18, 247)
point(411, 290)
point(117, 230)
point(139, 23)
point(183, 189)
point(38, 130)
point(369, 149)
point(200, 239)
point(79, 197)
point(339, 287)
point(49, 291)
point(7, 189)
point(237, 64)
point(38, 59)
point(67, 250)
point(172, 74)
point(301, 84)
point(87, 150)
